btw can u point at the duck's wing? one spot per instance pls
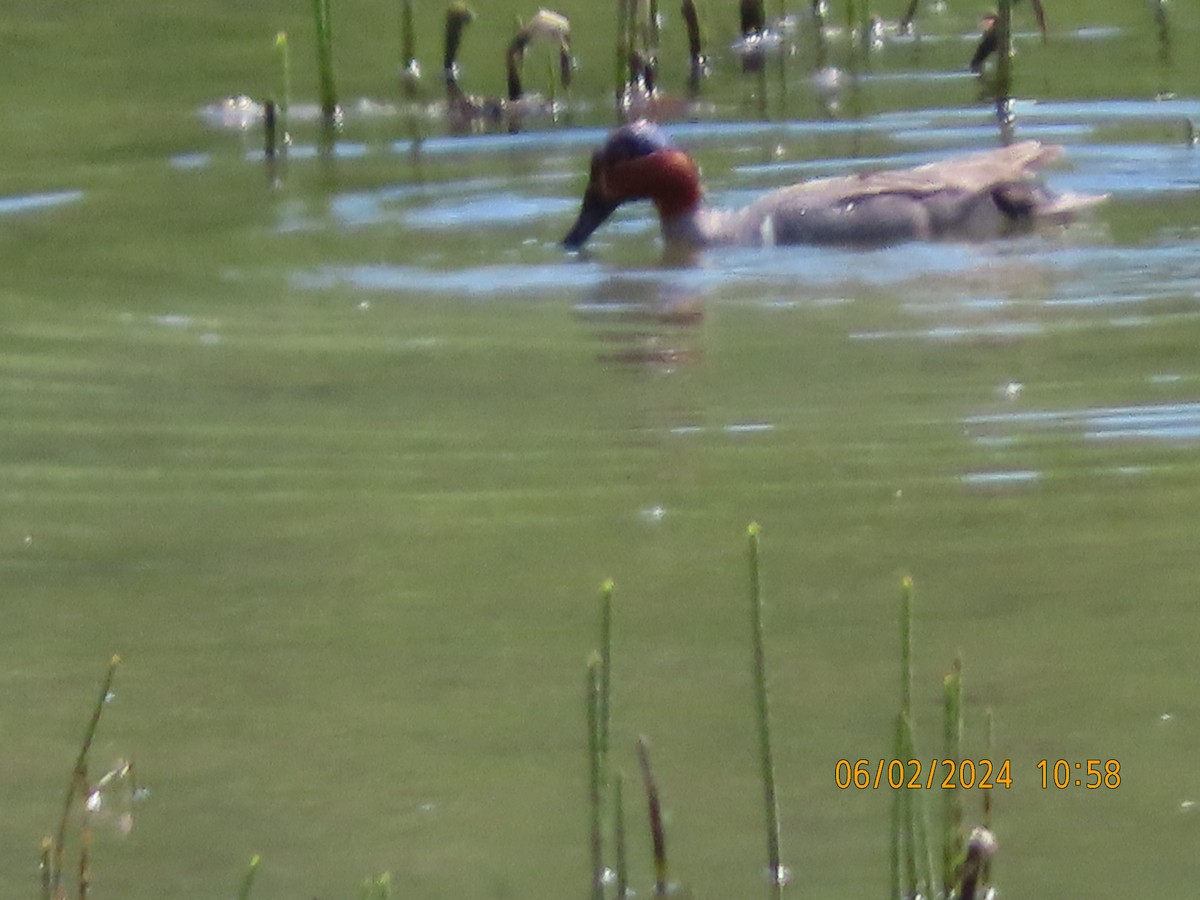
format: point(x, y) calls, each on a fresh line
point(973, 173)
point(975, 196)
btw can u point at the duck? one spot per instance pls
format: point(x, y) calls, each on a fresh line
point(974, 197)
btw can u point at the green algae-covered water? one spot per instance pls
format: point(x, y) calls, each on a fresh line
point(339, 463)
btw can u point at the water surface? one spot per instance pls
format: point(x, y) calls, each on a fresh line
point(338, 461)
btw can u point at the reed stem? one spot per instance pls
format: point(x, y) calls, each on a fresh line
point(596, 840)
point(906, 645)
point(328, 92)
point(899, 819)
point(619, 851)
point(1004, 49)
point(606, 597)
point(658, 835)
point(270, 136)
point(762, 707)
point(990, 743)
point(79, 778)
point(85, 857)
point(44, 866)
point(696, 61)
point(918, 856)
point(410, 74)
point(919, 853)
point(621, 72)
point(285, 79)
point(952, 813)
point(248, 878)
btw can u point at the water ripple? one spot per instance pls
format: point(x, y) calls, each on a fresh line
point(29, 202)
point(475, 283)
point(1162, 422)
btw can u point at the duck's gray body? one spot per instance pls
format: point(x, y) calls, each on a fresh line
point(975, 197)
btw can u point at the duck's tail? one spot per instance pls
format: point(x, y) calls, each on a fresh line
point(1063, 208)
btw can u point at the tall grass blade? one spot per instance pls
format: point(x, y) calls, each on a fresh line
point(990, 753)
point(248, 878)
point(952, 813)
point(606, 598)
point(595, 813)
point(658, 835)
point(285, 79)
point(919, 852)
point(918, 856)
point(697, 64)
point(1004, 49)
point(378, 888)
point(621, 72)
point(775, 871)
point(270, 136)
point(899, 818)
point(85, 856)
point(621, 860)
point(44, 866)
point(1040, 15)
point(410, 73)
point(906, 645)
point(79, 776)
point(327, 90)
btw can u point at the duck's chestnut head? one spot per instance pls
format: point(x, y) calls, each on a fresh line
point(636, 162)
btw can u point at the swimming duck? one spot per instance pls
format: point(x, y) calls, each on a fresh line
point(973, 197)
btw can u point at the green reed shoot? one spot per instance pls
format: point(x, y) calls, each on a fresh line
point(377, 888)
point(285, 78)
point(85, 856)
point(649, 28)
point(952, 813)
point(270, 136)
point(248, 878)
point(914, 824)
point(1004, 48)
point(595, 775)
point(918, 855)
point(78, 786)
point(636, 40)
point(906, 645)
point(863, 25)
point(410, 74)
point(1040, 14)
point(621, 72)
point(763, 710)
point(324, 28)
point(658, 836)
point(696, 68)
point(989, 727)
point(620, 857)
point(606, 598)
point(44, 867)
point(898, 843)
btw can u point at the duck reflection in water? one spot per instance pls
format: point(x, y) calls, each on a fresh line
point(645, 322)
